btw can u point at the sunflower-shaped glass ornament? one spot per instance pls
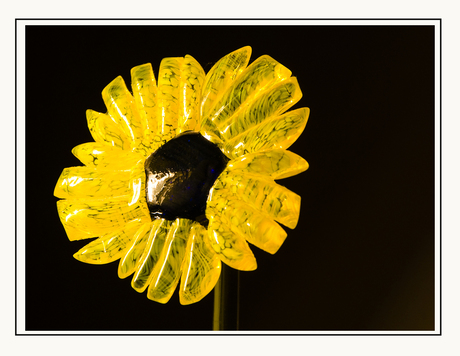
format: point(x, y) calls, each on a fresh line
point(182, 172)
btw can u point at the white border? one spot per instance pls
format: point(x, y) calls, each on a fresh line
point(325, 22)
point(20, 180)
point(437, 179)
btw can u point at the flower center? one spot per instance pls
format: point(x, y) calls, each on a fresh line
point(179, 176)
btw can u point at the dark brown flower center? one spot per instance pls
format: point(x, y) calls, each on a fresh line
point(179, 176)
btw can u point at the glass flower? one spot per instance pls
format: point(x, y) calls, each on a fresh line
point(182, 172)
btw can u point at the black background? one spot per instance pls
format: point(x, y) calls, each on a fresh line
point(362, 255)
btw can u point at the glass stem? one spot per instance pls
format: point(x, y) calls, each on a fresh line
point(226, 300)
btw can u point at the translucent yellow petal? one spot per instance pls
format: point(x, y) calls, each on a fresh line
point(243, 220)
point(134, 251)
point(276, 163)
point(85, 219)
point(122, 109)
point(201, 268)
point(169, 79)
point(221, 75)
point(87, 182)
point(192, 77)
point(145, 93)
point(231, 247)
point(150, 255)
point(280, 132)
point(144, 88)
point(167, 271)
point(269, 103)
point(109, 247)
point(93, 154)
point(261, 74)
point(105, 130)
point(268, 197)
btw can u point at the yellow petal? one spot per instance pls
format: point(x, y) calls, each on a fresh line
point(280, 132)
point(231, 247)
point(221, 75)
point(145, 93)
point(85, 219)
point(261, 74)
point(105, 130)
point(267, 104)
point(276, 163)
point(243, 220)
point(268, 197)
point(94, 154)
point(110, 247)
point(192, 77)
point(150, 255)
point(145, 89)
point(201, 268)
point(168, 95)
point(87, 182)
point(167, 271)
point(122, 109)
point(129, 261)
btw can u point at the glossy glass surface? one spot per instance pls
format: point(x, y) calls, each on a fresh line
point(179, 176)
point(235, 114)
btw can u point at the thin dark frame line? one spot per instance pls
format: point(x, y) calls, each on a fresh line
point(233, 19)
point(440, 176)
point(238, 334)
point(224, 25)
point(227, 334)
point(16, 178)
